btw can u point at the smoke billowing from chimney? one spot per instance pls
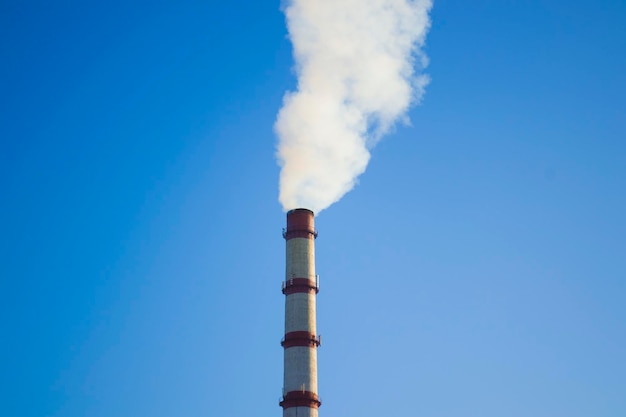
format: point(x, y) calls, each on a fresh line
point(358, 64)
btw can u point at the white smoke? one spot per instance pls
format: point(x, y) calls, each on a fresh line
point(358, 64)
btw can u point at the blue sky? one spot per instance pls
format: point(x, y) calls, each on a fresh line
point(478, 269)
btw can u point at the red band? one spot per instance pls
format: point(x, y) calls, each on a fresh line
point(300, 399)
point(300, 285)
point(299, 338)
point(300, 223)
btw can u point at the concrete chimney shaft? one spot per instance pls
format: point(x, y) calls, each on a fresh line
point(300, 397)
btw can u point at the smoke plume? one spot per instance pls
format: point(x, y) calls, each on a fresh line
point(357, 63)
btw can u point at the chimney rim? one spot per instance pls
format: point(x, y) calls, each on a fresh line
point(299, 210)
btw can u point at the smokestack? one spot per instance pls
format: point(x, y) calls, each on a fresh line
point(300, 397)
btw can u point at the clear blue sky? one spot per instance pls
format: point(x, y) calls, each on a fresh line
point(478, 269)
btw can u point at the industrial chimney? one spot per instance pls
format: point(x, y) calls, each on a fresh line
point(300, 344)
